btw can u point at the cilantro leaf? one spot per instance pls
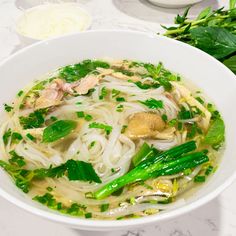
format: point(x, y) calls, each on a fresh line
point(153, 103)
point(16, 159)
point(34, 120)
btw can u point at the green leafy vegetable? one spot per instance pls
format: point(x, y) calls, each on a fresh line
point(75, 170)
point(143, 154)
point(165, 163)
point(104, 207)
point(115, 92)
point(16, 137)
point(31, 137)
point(104, 93)
point(34, 120)
point(75, 72)
point(58, 130)
point(200, 178)
point(120, 99)
point(16, 159)
point(213, 31)
point(8, 108)
point(106, 128)
point(216, 133)
point(6, 136)
point(216, 41)
point(81, 114)
point(231, 63)
point(152, 103)
point(20, 93)
point(80, 170)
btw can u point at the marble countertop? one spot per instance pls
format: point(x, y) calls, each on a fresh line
point(217, 218)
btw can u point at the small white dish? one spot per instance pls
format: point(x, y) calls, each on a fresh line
point(51, 20)
point(211, 76)
point(174, 3)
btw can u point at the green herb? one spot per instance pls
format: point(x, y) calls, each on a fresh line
point(187, 172)
point(213, 31)
point(200, 178)
point(53, 118)
point(120, 108)
point(104, 207)
point(124, 127)
point(172, 122)
point(31, 137)
point(165, 83)
point(16, 159)
point(81, 114)
point(75, 170)
point(20, 93)
point(216, 133)
point(48, 200)
point(206, 37)
point(106, 128)
point(200, 100)
point(6, 136)
point(231, 63)
point(8, 108)
point(124, 71)
point(79, 170)
point(164, 117)
point(209, 170)
point(115, 92)
point(16, 137)
point(78, 103)
point(104, 93)
point(153, 103)
point(185, 114)
point(34, 120)
point(49, 189)
point(92, 144)
point(147, 86)
point(120, 99)
point(166, 163)
point(144, 153)
point(88, 215)
point(58, 130)
point(75, 72)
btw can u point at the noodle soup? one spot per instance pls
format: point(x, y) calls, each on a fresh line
point(110, 139)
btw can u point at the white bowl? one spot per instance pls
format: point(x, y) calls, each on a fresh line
point(174, 3)
point(28, 37)
point(211, 76)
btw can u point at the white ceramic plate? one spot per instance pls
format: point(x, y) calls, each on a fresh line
point(207, 73)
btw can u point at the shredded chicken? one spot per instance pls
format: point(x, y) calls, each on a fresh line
point(87, 83)
point(186, 95)
point(53, 94)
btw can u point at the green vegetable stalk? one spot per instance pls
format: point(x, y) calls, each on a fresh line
point(162, 164)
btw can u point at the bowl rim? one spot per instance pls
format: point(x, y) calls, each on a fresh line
point(104, 225)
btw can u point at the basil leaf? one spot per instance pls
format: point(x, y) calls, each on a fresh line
point(58, 130)
point(231, 63)
point(216, 132)
point(216, 41)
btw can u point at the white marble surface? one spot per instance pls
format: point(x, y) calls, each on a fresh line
point(218, 218)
